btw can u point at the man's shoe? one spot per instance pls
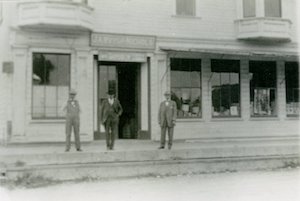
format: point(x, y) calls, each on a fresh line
point(161, 147)
point(79, 149)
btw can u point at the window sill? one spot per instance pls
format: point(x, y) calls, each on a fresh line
point(47, 121)
point(186, 17)
point(292, 118)
point(227, 119)
point(189, 120)
point(264, 119)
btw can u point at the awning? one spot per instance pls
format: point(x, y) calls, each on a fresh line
point(233, 52)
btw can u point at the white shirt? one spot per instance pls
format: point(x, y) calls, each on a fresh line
point(111, 101)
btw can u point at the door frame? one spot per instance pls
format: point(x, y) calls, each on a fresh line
point(98, 135)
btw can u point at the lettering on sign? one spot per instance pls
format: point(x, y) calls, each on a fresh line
point(120, 56)
point(123, 41)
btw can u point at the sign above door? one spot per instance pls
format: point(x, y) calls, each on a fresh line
point(123, 41)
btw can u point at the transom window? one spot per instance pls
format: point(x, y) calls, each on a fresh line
point(50, 80)
point(292, 88)
point(185, 7)
point(186, 87)
point(225, 82)
point(263, 88)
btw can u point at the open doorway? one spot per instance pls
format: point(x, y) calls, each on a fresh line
point(124, 78)
point(128, 96)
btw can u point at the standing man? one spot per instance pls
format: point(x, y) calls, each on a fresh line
point(111, 109)
point(167, 118)
point(72, 110)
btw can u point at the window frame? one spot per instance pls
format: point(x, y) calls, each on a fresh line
point(297, 66)
point(274, 87)
point(194, 14)
point(260, 9)
point(190, 88)
point(280, 9)
point(32, 85)
point(237, 62)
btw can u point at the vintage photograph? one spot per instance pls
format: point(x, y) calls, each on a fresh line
point(165, 100)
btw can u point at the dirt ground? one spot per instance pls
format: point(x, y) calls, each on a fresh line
point(279, 185)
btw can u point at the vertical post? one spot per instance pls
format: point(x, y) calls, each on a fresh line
point(206, 88)
point(281, 90)
point(245, 89)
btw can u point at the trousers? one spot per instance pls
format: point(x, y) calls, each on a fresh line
point(72, 122)
point(163, 136)
point(111, 131)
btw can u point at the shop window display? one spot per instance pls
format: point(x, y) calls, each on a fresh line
point(292, 88)
point(186, 87)
point(262, 88)
point(225, 86)
point(50, 80)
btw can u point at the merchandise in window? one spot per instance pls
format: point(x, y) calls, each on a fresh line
point(263, 88)
point(185, 7)
point(225, 82)
point(292, 88)
point(50, 80)
point(186, 87)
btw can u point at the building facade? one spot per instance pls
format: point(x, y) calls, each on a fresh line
point(232, 67)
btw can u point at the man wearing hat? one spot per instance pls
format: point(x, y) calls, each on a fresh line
point(111, 109)
point(72, 110)
point(167, 118)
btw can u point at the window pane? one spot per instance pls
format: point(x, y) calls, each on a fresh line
point(225, 88)
point(50, 101)
point(249, 8)
point(50, 81)
point(63, 78)
point(50, 69)
point(186, 86)
point(273, 8)
point(263, 88)
point(38, 101)
point(292, 88)
point(185, 7)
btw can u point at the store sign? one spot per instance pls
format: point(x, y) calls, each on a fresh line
point(123, 41)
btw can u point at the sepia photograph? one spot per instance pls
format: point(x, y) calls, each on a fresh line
point(165, 100)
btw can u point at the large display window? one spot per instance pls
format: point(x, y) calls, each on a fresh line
point(50, 84)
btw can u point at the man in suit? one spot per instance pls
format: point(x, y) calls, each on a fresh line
point(111, 109)
point(167, 118)
point(72, 110)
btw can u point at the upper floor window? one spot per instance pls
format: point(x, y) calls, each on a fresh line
point(185, 7)
point(249, 8)
point(292, 88)
point(0, 12)
point(50, 84)
point(261, 8)
point(272, 8)
point(186, 86)
point(225, 92)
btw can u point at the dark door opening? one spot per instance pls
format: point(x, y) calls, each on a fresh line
point(123, 77)
point(128, 96)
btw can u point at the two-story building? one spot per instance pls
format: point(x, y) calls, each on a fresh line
point(232, 67)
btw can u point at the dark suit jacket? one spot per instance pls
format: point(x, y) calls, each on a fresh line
point(167, 114)
point(114, 110)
